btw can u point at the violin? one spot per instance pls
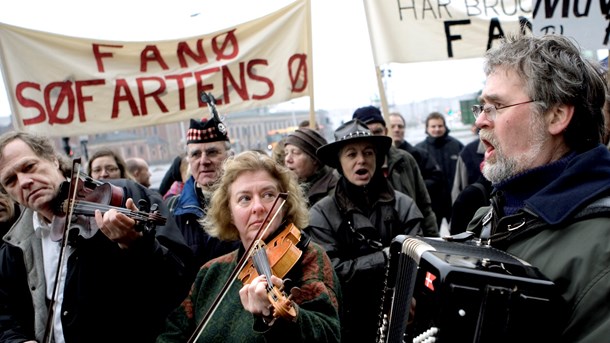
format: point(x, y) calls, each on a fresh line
point(90, 195)
point(75, 207)
point(275, 258)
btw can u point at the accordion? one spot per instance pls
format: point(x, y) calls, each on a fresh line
point(441, 291)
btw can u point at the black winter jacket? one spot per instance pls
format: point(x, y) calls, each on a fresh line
point(354, 226)
point(110, 294)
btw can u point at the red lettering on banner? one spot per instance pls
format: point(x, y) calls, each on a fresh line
point(184, 49)
point(297, 71)
point(230, 42)
point(154, 94)
point(63, 92)
point(57, 95)
point(122, 86)
point(29, 103)
point(204, 87)
point(229, 81)
point(251, 70)
point(151, 53)
point(180, 81)
point(80, 99)
point(98, 55)
point(65, 102)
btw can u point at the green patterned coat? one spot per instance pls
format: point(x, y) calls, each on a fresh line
point(317, 305)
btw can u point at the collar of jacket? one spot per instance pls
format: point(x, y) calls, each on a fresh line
point(189, 200)
point(378, 190)
point(440, 140)
point(325, 180)
point(585, 178)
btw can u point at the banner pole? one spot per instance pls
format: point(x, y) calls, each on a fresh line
point(382, 96)
point(312, 108)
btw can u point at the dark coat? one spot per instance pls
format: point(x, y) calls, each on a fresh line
point(561, 236)
point(354, 226)
point(430, 170)
point(191, 206)
point(321, 184)
point(110, 294)
point(404, 176)
point(445, 150)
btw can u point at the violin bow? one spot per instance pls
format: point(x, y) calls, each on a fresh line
point(76, 165)
point(240, 266)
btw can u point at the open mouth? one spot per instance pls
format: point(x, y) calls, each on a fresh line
point(361, 171)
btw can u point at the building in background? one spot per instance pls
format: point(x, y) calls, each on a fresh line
point(247, 130)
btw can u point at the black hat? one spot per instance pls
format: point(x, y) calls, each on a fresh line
point(349, 132)
point(369, 115)
point(206, 130)
point(307, 140)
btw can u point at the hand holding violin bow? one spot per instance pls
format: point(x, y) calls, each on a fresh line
point(88, 205)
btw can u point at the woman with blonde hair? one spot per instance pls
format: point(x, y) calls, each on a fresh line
point(245, 195)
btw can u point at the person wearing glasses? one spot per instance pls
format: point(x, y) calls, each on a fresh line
point(107, 164)
point(541, 121)
point(207, 147)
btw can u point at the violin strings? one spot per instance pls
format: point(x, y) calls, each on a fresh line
point(261, 262)
point(90, 207)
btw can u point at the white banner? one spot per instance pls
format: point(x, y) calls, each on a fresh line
point(65, 86)
point(403, 31)
point(583, 20)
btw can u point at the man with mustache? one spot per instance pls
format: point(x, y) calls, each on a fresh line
point(541, 121)
point(207, 147)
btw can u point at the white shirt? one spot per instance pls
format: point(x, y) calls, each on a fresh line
point(50, 254)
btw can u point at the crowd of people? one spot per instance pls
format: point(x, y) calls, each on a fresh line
point(294, 245)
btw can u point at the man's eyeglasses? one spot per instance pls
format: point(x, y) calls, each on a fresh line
point(491, 110)
point(210, 153)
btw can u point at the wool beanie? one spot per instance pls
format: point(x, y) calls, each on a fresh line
point(307, 140)
point(368, 115)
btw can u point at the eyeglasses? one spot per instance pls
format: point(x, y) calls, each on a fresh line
point(210, 153)
point(108, 169)
point(491, 110)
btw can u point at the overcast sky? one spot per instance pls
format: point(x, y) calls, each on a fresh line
point(344, 74)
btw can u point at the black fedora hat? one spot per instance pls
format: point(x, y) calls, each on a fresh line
point(350, 132)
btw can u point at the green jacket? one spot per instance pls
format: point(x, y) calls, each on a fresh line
point(317, 305)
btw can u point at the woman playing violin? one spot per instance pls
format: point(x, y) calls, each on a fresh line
point(244, 201)
point(117, 284)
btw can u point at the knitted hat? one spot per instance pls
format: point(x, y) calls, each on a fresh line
point(307, 140)
point(350, 132)
point(369, 115)
point(206, 130)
